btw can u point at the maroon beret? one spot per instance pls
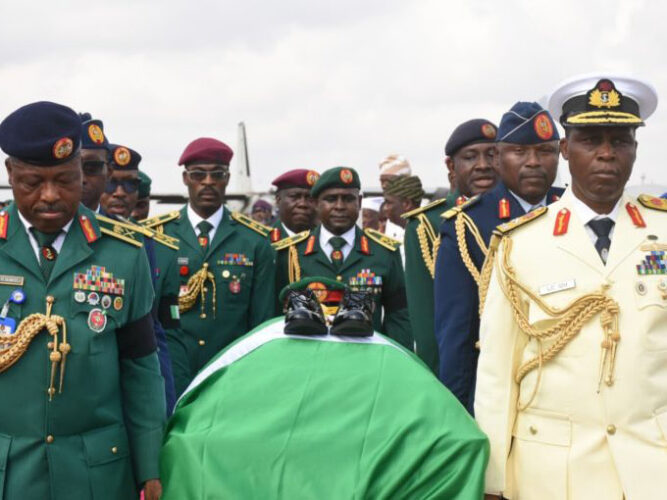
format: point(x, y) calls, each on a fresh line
point(299, 177)
point(206, 150)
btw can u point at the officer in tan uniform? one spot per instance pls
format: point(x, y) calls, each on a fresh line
point(573, 365)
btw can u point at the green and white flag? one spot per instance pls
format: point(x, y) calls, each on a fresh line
point(277, 416)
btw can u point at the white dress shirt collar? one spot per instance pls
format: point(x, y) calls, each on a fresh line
point(58, 242)
point(587, 214)
point(214, 220)
point(348, 236)
point(527, 207)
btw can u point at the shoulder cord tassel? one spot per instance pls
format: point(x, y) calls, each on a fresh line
point(462, 221)
point(196, 288)
point(293, 267)
point(429, 242)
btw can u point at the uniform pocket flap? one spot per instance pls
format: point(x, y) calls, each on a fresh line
point(106, 445)
point(544, 427)
point(5, 443)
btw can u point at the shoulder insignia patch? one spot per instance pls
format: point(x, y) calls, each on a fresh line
point(275, 235)
point(87, 228)
point(382, 239)
point(520, 221)
point(120, 230)
point(158, 220)
point(455, 210)
point(251, 223)
point(290, 240)
point(426, 207)
point(653, 202)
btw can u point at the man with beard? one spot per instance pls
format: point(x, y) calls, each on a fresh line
point(573, 363)
point(366, 261)
point(469, 153)
point(83, 407)
point(296, 208)
point(526, 161)
point(94, 161)
point(224, 259)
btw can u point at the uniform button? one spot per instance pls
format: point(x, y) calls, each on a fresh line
point(202, 342)
point(533, 429)
point(49, 439)
point(114, 450)
point(339, 278)
point(611, 429)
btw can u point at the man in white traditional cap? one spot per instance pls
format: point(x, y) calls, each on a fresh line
point(573, 365)
point(371, 212)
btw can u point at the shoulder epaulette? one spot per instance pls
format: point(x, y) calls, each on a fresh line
point(120, 230)
point(382, 239)
point(420, 210)
point(158, 220)
point(653, 202)
point(290, 240)
point(520, 221)
point(455, 210)
point(251, 223)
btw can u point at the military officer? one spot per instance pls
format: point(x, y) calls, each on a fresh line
point(573, 363)
point(143, 205)
point(225, 262)
point(296, 208)
point(94, 161)
point(116, 204)
point(526, 161)
point(469, 151)
point(83, 405)
point(364, 260)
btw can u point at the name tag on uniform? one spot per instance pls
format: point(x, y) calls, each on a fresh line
point(557, 287)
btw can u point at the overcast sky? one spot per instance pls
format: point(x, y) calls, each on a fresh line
point(319, 84)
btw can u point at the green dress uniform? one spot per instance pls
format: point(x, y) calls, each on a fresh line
point(277, 232)
point(373, 265)
point(421, 240)
point(226, 289)
point(83, 406)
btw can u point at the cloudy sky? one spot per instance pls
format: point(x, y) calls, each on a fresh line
point(317, 83)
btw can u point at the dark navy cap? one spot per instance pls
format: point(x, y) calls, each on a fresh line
point(42, 134)
point(92, 133)
point(527, 123)
point(470, 132)
point(124, 158)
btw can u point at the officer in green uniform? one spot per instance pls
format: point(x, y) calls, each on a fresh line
point(296, 208)
point(225, 262)
point(364, 260)
point(468, 153)
point(143, 205)
point(83, 403)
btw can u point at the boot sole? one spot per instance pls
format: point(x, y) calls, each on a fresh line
point(305, 327)
point(352, 328)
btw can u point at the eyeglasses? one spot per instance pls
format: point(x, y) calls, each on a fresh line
point(199, 175)
point(93, 167)
point(129, 185)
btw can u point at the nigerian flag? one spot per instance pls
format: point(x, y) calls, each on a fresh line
point(277, 416)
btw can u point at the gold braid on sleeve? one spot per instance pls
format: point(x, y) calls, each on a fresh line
point(429, 242)
point(569, 321)
point(14, 345)
point(293, 267)
point(462, 222)
point(196, 288)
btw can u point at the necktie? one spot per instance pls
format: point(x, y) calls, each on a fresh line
point(47, 254)
point(601, 228)
point(337, 242)
point(204, 228)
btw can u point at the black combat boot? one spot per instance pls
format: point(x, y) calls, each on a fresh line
point(355, 315)
point(304, 314)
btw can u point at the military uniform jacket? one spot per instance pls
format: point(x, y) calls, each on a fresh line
point(242, 263)
point(277, 232)
point(577, 439)
point(101, 436)
point(420, 255)
point(369, 267)
point(457, 304)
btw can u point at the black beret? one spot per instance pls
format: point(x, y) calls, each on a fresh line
point(92, 133)
point(124, 158)
point(470, 132)
point(42, 133)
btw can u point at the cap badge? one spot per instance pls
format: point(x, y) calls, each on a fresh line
point(312, 177)
point(489, 131)
point(604, 95)
point(319, 290)
point(121, 156)
point(543, 127)
point(346, 176)
point(63, 148)
point(95, 133)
